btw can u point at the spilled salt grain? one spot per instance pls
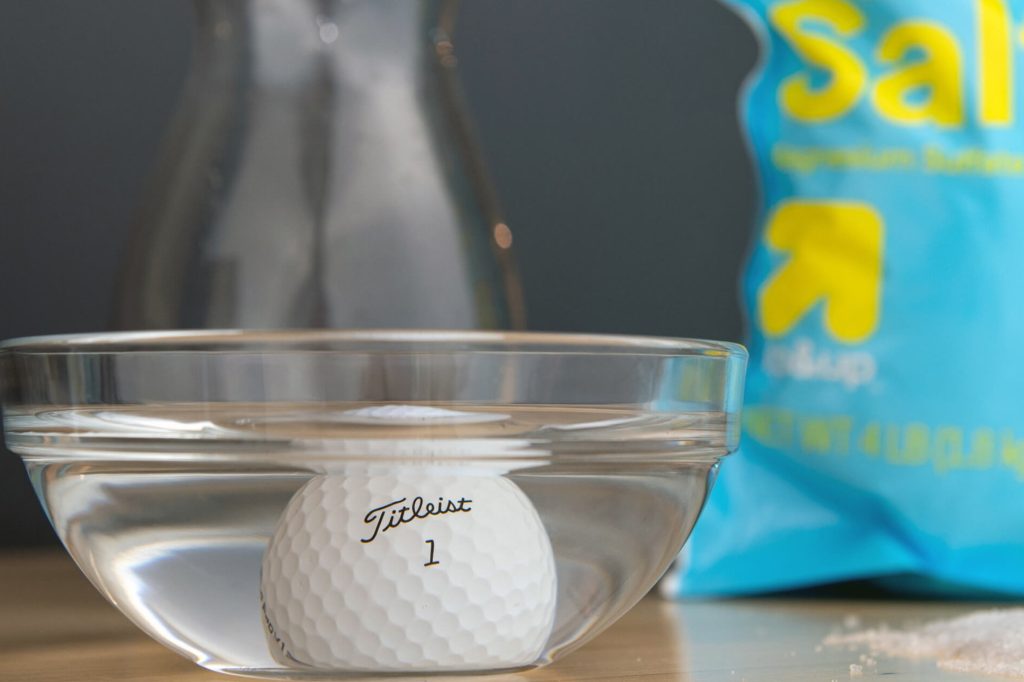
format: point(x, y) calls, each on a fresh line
point(987, 642)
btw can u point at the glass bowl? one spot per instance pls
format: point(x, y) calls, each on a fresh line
point(331, 503)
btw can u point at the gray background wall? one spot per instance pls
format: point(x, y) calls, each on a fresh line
point(609, 126)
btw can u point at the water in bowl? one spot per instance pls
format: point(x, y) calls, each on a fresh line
point(169, 509)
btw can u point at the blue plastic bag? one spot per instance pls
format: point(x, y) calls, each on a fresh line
point(884, 417)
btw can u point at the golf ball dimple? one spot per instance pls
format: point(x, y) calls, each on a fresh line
point(408, 571)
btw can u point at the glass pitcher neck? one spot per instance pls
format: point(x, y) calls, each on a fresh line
point(285, 43)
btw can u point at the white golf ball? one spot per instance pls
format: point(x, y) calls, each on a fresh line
point(409, 570)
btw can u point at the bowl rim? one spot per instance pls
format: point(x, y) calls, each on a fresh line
point(356, 340)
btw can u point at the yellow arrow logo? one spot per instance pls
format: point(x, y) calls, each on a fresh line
point(835, 253)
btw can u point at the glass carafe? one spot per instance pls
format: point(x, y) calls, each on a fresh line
point(320, 173)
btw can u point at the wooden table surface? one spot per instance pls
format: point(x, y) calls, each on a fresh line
point(54, 627)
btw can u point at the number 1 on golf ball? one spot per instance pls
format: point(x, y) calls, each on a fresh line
point(408, 571)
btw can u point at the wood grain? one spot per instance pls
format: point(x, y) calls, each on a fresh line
point(54, 627)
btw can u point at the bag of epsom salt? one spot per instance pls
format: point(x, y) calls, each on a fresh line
point(884, 419)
